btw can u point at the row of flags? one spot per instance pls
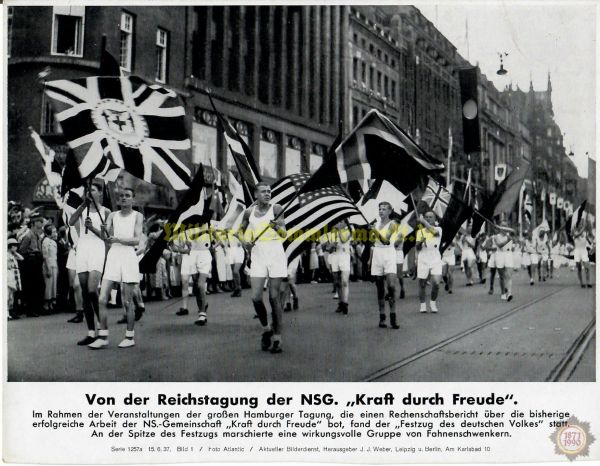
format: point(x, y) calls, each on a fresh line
point(123, 123)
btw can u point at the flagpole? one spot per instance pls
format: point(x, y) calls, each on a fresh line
point(450, 141)
point(521, 212)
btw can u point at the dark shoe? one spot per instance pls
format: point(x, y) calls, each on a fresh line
point(265, 341)
point(583, 286)
point(77, 319)
point(122, 320)
point(589, 285)
point(139, 312)
point(491, 292)
point(295, 303)
point(449, 291)
point(276, 348)
point(201, 321)
point(339, 308)
point(182, 312)
point(393, 323)
point(236, 294)
point(483, 280)
point(469, 284)
point(382, 324)
point(402, 294)
point(446, 287)
point(509, 297)
point(86, 341)
point(345, 310)
point(288, 307)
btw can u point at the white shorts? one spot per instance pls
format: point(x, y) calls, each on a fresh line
point(504, 259)
point(468, 255)
point(492, 260)
point(340, 262)
point(581, 255)
point(545, 256)
point(449, 259)
point(235, 255)
point(197, 261)
point(383, 261)
point(534, 258)
point(526, 260)
point(90, 257)
point(293, 266)
point(399, 256)
point(483, 256)
point(122, 265)
point(71, 260)
point(268, 260)
point(428, 262)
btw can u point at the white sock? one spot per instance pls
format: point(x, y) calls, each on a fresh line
point(424, 306)
point(266, 328)
point(103, 333)
point(91, 333)
point(129, 333)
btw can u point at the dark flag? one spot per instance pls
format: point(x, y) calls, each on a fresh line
point(192, 210)
point(457, 212)
point(574, 221)
point(138, 127)
point(242, 155)
point(309, 213)
point(503, 199)
point(108, 64)
point(375, 149)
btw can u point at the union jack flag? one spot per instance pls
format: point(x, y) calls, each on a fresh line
point(437, 198)
point(138, 127)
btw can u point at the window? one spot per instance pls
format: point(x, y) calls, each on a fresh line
point(9, 15)
point(393, 90)
point(379, 81)
point(67, 30)
point(355, 38)
point(161, 56)
point(49, 123)
point(355, 68)
point(364, 72)
point(385, 86)
point(293, 159)
point(126, 42)
point(371, 48)
point(204, 144)
point(372, 77)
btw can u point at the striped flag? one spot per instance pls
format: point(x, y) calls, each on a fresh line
point(139, 127)
point(574, 221)
point(51, 167)
point(236, 207)
point(375, 149)
point(242, 155)
point(309, 213)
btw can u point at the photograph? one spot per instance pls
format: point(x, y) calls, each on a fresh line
point(300, 193)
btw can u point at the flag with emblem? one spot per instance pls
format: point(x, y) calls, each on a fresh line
point(241, 153)
point(138, 127)
point(51, 167)
point(375, 149)
point(309, 213)
point(575, 220)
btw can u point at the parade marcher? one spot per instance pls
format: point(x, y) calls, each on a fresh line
point(31, 270)
point(74, 285)
point(581, 257)
point(448, 264)
point(383, 263)
point(50, 267)
point(543, 250)
point(123, 230)
point(468, 256)
point(490, 246)
point(482, 257)
point(236, 258)
point(530, 257)
point(196, 263)
point(289, 293)
point(504, 260)
point(268, 261)
point(340, 264)
point(400, 259)
point(13, 277)
point(429, 259)
point(91, 252)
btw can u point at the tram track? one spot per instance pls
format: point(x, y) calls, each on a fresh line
point(567, 362)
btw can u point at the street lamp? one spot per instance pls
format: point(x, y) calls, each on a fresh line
point(501, 71)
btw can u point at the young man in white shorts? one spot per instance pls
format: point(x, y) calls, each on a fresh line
point(268, 260)
point(504, 260)
point(448, 264)
point(74, 279)
point(468, 256)
point(530, 258)
point(582, 260)
point(123, 230)
point(340, 264)
point(429, 260)
point(236, 259)
point(196, 262)
point(89, 260)
point(383, 263)
point(403, 230)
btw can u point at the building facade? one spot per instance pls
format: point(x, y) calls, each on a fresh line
point(287, 77)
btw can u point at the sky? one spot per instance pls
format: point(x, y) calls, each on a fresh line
point(539, 37)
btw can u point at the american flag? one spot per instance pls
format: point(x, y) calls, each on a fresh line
point(309, 213)
point(139, 127)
